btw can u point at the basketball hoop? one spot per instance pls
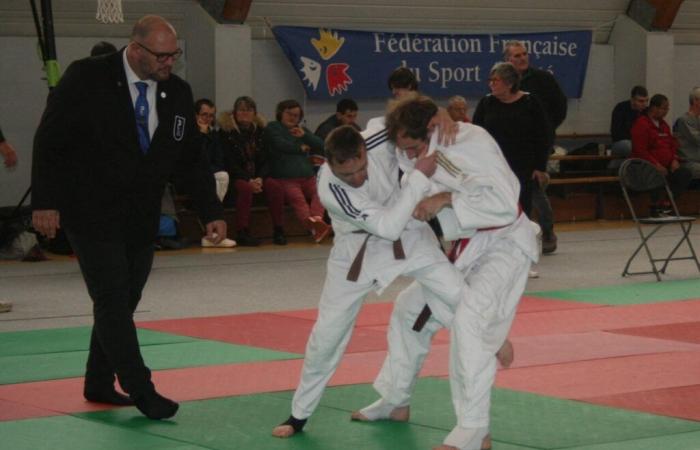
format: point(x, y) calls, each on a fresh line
point(109, 11)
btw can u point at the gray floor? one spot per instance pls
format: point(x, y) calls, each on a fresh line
point(52, 294)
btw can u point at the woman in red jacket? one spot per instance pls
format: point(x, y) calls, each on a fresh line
point(653, 141)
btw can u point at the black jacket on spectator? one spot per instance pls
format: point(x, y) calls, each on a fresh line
point(245, 155)
point(544, 86)
point(623, 117)
point(212, 147)
point(329, 125)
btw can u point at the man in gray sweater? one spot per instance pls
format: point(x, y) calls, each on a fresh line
point(687, 131)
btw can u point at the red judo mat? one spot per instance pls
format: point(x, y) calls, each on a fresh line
point(583, 380)
point(45, 398)
point(264, 330)
point(683, 332)
point(679, 402)
point(289, 330)
point(604, 318)
point(621, 356)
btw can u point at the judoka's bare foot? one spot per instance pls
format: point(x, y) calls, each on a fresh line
point(485, 445)
point(289, 428)
point(398, 414)
point(382, 410)
point(283, 431)
point(506, 354)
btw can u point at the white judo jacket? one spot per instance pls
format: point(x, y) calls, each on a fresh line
point(485, 195)
point(382, 208)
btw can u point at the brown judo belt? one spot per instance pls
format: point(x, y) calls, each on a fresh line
point(356, 266)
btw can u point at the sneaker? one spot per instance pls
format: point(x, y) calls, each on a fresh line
point(658, 212)
point(225, 243)
point(549, 243)
point(278, 237)
point(5, 307)
point(244, 239)
point(319, 228)
point(533, 274)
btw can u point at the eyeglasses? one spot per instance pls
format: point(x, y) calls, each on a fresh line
point(162, 57)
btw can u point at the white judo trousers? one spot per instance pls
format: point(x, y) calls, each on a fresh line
point(495, 266)
point(482, 320)
point(383, 210)
point(341, 301)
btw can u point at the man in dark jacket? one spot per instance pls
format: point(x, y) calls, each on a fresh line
point(115, 129)
point(345, 114)
point(544, 86)
point(623, 117)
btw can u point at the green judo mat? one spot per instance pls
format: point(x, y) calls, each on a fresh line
point(519, 421)
point(69, 339)
point(54, 354)
point(630, 294)
point(66, 432)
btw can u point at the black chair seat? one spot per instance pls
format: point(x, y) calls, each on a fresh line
point(637, 175)
point(666, 220)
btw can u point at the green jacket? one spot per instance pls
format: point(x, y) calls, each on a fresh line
point(286, 158)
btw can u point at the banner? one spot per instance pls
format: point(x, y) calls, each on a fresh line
point(344, 63)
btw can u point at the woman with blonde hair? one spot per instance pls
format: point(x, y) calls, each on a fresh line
point(245, 159)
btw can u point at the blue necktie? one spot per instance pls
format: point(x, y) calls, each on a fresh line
point(141, 109)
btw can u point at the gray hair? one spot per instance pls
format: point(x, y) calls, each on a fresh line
point(507, 46)
point(694, 94)
point(506, 72)
point(456, 99)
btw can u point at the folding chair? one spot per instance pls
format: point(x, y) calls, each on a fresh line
point(638, 175)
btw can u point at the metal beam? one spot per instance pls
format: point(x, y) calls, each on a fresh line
point(666, 11)
point(236, 10)
point(654, 14)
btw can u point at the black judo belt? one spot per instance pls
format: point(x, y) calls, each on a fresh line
point(356, 266)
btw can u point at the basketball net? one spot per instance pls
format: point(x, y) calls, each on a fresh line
point(109, 11)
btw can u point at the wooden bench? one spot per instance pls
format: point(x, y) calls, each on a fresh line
point(585, 196)
point(584, 180)
point(580, 193)
point(260, 221)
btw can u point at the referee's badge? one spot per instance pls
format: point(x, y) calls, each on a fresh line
point(179, 128)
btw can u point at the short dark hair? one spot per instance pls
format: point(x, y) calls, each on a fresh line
point(657, 100)
point(411, 118)
point(639, 91)
point(402, 77)
point(288, 104)
point(202, 101)
point(103, 48)
point(342, 144)
point(346, 104)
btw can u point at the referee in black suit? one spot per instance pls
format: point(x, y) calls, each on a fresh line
point(115, 129)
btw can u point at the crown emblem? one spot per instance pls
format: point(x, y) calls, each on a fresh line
point(328, 43)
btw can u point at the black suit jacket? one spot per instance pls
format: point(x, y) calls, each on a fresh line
point(88, 164)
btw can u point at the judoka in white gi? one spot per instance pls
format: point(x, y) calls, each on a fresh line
point(474, 195)
point(369, 211)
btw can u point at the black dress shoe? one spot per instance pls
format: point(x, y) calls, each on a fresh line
point(110, 396)
point(155, 406)
point(244, 239)
point(169, 243)
point(278, 237)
